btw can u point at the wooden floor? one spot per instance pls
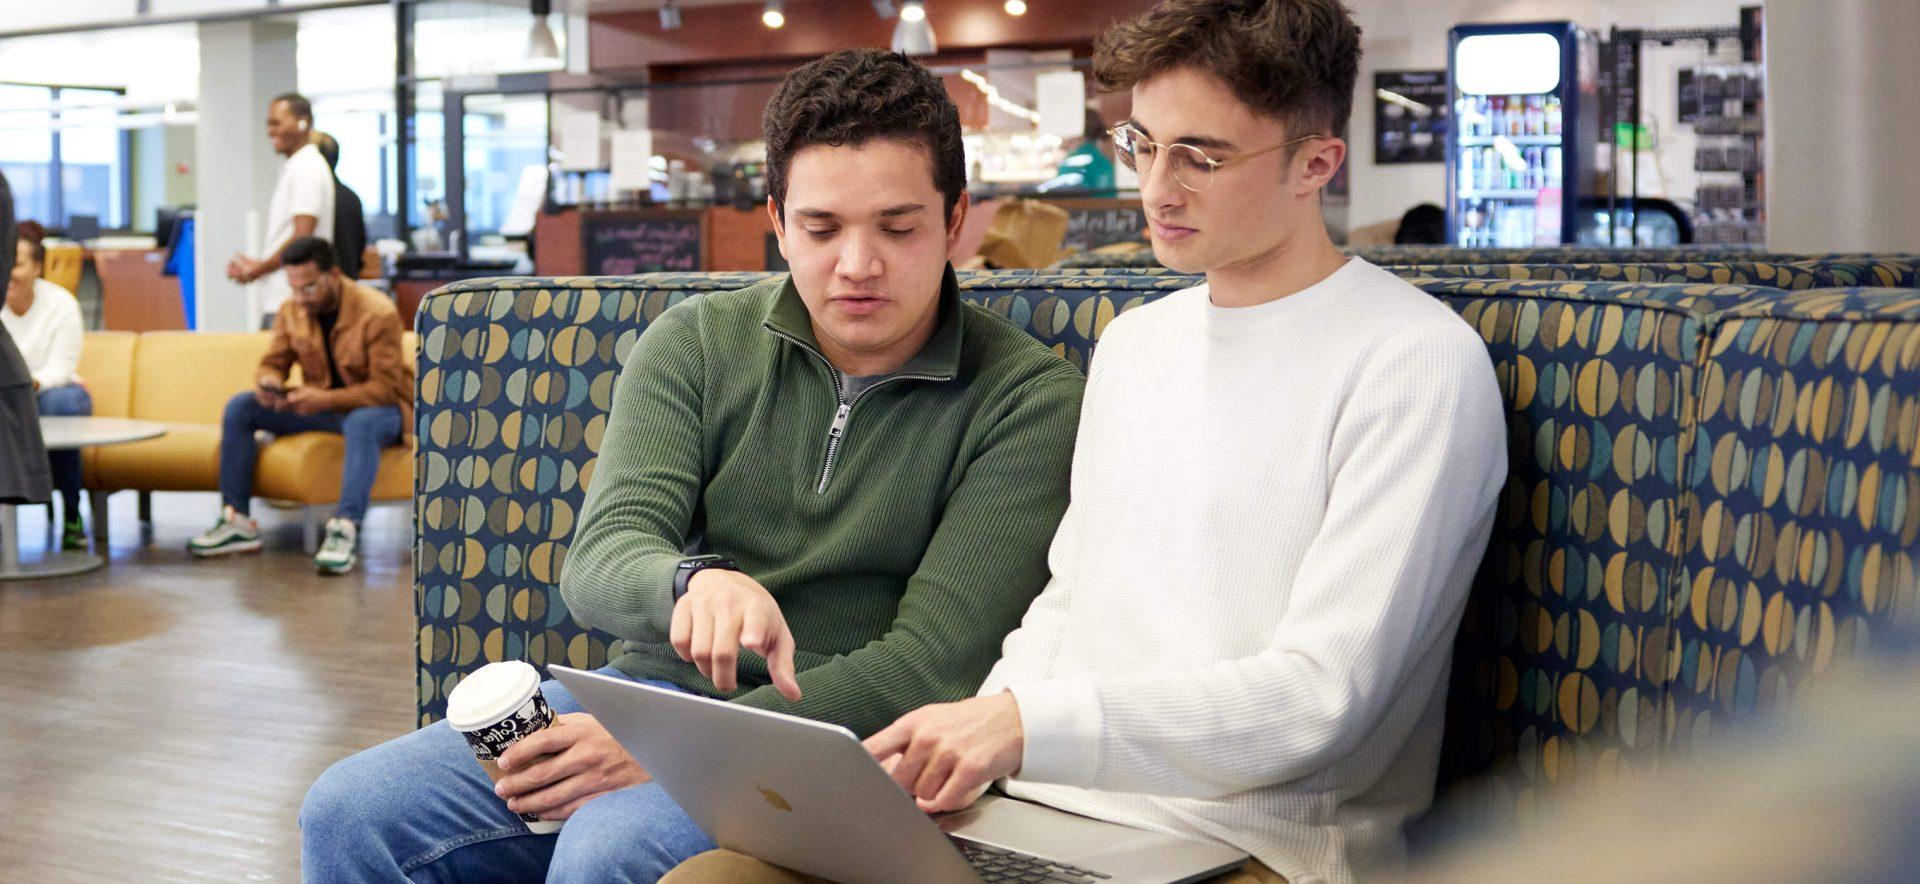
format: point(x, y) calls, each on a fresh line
point(161, 718)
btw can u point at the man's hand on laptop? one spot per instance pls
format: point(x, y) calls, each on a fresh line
point(724, 611)
point(555, 770)
point(945, 755)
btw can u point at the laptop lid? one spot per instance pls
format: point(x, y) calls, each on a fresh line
point(801, 794)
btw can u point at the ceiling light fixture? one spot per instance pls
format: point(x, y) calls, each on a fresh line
point(1016, 7)
point(913, 11)
point(773, 17)
point(540, 41)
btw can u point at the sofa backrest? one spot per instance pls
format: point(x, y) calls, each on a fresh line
point(187, 377)
point(106, 365)
point(1794, 275)
point(1560, 664)
point(1568, 660)
point(1804, 492)
point(1390, 256)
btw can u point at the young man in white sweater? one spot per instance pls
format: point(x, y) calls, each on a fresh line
point(1283, 484)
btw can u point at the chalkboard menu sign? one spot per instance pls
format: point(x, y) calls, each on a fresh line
point(1095, 223)
point(623, 243)
point(1409, 117)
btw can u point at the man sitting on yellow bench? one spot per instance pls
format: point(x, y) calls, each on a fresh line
point(346, 339)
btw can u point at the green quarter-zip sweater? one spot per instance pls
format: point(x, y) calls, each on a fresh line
point(903, 534)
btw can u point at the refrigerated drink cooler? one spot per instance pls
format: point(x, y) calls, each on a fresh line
point(1526, 116)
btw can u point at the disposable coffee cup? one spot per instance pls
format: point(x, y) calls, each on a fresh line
point(496, 707)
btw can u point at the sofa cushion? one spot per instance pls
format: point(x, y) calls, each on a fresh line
point(1752, 273)
point(306, 467)
point(106, 365)
point(188, 377)
point(1567, 650)
point(1895, 271)
point(1560, 665)
point(1806, 486)
point(187, 458)
point(1795, 275)
point(106, 368)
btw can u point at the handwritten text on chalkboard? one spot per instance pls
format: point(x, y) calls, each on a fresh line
point(1093, 228)
point(618, 245)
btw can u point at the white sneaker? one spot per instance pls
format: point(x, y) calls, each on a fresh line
point(336, 554)
point(234, 533)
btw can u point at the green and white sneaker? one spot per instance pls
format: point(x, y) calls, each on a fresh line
point(234, 533)
point(73, 535)
point(336, 554)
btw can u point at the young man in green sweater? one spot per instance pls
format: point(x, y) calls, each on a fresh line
point(872, 469)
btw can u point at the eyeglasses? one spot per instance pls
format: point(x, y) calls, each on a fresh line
point(1191, 166)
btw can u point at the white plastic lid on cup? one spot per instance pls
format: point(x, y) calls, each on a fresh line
point(494, 692)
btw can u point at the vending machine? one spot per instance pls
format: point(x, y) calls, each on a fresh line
point(1526, 119)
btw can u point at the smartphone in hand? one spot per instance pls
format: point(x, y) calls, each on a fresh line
point(271, 393)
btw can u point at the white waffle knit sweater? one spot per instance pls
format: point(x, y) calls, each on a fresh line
point(1277, 511)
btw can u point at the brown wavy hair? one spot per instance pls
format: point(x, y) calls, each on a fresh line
point(1292, 60)
point(31, 233)
point(854, 96)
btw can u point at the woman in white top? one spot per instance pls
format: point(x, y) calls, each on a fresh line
point(44, 320)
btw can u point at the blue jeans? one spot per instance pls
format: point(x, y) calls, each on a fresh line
point(418, 808)
point(68, 401)
point(367, 431)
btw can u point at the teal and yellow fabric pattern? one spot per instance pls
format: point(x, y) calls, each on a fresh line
point(1560, 664)
point(1442, 254)
point(1891, 271)
point(1803, 541)
point(1773, 275)
point(1898, 271)
point(1067, 311)
point(1714, 491)
point(1776, 274)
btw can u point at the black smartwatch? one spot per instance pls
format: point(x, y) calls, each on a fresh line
point(694, 565)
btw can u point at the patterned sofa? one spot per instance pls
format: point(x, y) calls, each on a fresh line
point(1715, 493)
point(1133, 256)
point(1886, 272)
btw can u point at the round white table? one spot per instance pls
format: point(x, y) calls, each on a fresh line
point(63, 433)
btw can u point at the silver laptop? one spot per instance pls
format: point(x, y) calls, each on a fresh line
point(806, 796)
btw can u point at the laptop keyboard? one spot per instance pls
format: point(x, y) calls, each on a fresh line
point(997, 864)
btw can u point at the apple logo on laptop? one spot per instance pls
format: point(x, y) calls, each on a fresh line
point(775, 799)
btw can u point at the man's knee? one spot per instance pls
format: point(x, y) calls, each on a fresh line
point(368, 426)
point(339, 802)
point(242, 408)
point(70, 400)
point(635, 834)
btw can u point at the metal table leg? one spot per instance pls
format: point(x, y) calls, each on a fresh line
point(56, 564)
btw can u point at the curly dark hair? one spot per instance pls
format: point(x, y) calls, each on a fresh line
point(1293, 60)
point(309, 250)
point(34, 235)
point(854, 96)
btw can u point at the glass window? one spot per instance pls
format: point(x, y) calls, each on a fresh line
point(363, 125)
point(504, 135)
point(428, 165)
point(93, 164)
point(26, 149)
